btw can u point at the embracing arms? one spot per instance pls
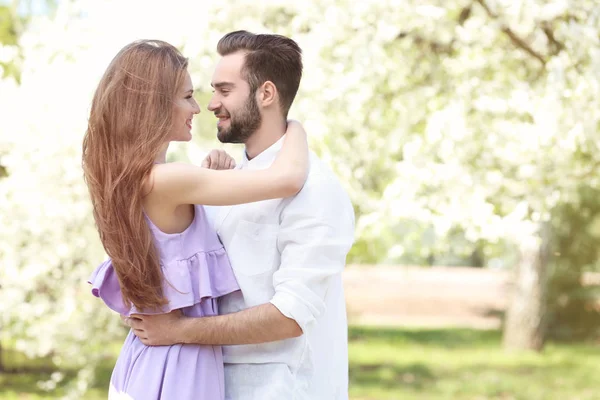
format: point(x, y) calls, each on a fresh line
point(179, 183)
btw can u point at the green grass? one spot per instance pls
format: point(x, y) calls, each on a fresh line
point(466, 364)
point(21, 383)
point(386, 363)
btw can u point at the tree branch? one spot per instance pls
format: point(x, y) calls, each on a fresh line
point(556, 46)
point(432, 45)
point(514, 38)
point(464, 15)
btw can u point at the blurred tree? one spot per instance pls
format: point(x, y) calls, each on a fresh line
point(480, 116)
point(8, 26)
point(11, 26)
point(472, 116)
point(455, 126)
point(573, 289)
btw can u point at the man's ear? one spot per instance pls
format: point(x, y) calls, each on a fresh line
point(267, 94)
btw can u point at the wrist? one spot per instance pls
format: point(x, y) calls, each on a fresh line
point(189, 329)
point(181, 330)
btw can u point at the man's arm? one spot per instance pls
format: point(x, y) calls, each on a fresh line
point(315, 236)
point(260, 324)
point(316, 233)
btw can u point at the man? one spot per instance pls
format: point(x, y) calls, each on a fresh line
point(285, 332)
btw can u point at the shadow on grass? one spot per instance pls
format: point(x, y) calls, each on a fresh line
point(21, 376)
point(453, 338)
point(21, 382)
point(494, 312)
point(103, 373)
point(390, 376)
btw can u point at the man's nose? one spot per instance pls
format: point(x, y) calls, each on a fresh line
point(213, 104)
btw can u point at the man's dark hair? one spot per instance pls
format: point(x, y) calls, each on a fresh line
point(268, 57)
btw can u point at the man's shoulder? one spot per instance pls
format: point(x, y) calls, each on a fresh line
point(322, 184)
point(323, 198)
point(320, 173)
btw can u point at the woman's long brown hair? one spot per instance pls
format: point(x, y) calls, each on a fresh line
point(130, 122)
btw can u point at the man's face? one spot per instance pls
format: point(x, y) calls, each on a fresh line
point(232, 101)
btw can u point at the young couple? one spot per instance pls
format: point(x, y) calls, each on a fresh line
point(229, 278)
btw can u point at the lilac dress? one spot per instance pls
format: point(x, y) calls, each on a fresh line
point(197, 272)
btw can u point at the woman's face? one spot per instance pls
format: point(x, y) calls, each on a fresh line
point(184, 111)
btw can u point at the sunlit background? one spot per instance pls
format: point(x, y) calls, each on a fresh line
point(465, 131)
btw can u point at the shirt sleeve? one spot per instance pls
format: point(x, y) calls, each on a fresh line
point(316, 233)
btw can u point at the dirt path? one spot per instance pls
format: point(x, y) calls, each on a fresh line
point(425, 297)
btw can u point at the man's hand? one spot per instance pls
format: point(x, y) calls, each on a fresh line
point(258, 324)
point(218, 159)
point(157, 330)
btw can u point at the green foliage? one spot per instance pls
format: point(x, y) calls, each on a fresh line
point(10, 29)
point(574, 311)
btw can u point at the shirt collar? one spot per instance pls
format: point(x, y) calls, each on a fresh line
point(266, 157)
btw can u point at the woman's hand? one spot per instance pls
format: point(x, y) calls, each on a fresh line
point(218, 159)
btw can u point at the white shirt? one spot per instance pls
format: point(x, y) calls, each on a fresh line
point(290, 252)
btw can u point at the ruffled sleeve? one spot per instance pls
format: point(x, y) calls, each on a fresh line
point(187, 282)
point(105, 285)
point(204, 275)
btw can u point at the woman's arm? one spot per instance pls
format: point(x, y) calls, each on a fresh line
point(180, 183)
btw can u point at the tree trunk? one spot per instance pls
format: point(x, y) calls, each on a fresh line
point(525, 323)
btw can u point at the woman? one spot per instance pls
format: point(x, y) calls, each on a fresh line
point(163, 254)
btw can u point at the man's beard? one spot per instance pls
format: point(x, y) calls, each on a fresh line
point(242, 124)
